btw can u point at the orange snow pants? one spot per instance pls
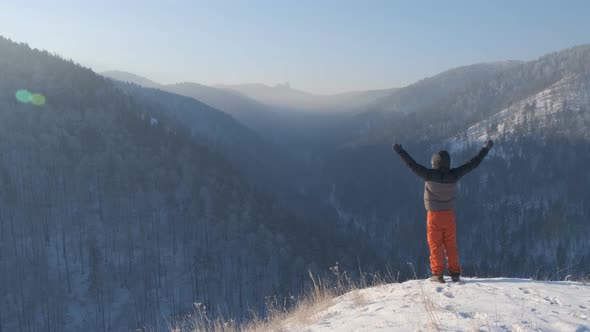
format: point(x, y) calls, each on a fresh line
point(442, 238)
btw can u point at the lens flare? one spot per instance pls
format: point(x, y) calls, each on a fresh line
point(38, 99)
point(24, 96)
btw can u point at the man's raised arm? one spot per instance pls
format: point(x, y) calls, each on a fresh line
point(418, 169)
point(475, 161)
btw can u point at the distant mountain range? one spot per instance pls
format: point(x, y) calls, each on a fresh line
point(283, 96)
point(244, 109)
point(245, 98)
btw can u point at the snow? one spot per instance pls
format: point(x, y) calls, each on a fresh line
point(498, 304)
point(571, 93)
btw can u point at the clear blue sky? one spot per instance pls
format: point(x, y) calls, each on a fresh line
point(320, 46)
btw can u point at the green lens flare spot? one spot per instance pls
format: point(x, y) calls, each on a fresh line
point(24, 96)
point(38, 99)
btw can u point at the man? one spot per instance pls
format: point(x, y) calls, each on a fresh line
point(439, 200)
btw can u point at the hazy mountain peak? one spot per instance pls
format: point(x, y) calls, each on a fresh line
point(285, 85)
point(128, 77)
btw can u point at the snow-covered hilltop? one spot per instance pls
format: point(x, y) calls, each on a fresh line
point(476, 304)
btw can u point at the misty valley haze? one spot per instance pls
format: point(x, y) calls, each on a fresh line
point(125, 201)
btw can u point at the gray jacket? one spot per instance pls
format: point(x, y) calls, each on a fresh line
point(441, 180)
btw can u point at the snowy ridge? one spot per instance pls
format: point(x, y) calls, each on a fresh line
point(542, 111)
point(498, 304)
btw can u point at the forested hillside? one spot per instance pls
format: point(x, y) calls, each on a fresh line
point(524, 211)
point(264, 163)
point(115, 217)
point(537, 111)
point(443, 105)
point(122, 206)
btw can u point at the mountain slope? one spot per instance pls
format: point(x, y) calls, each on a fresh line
point(131, 78)
point(114, 217)
point(249, 112)
point(560, 110)
point(497, 304)
point(264, 164)
point(521, 212)
point(428, 91)
point(246, 110)
point(430, 109)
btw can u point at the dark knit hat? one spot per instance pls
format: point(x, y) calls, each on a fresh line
point(441, 160)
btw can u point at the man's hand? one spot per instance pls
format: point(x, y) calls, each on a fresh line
point(488, 144)
point(397, 148)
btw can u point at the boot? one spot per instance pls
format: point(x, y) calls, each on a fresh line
point(456, 277)
point(438, 278)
